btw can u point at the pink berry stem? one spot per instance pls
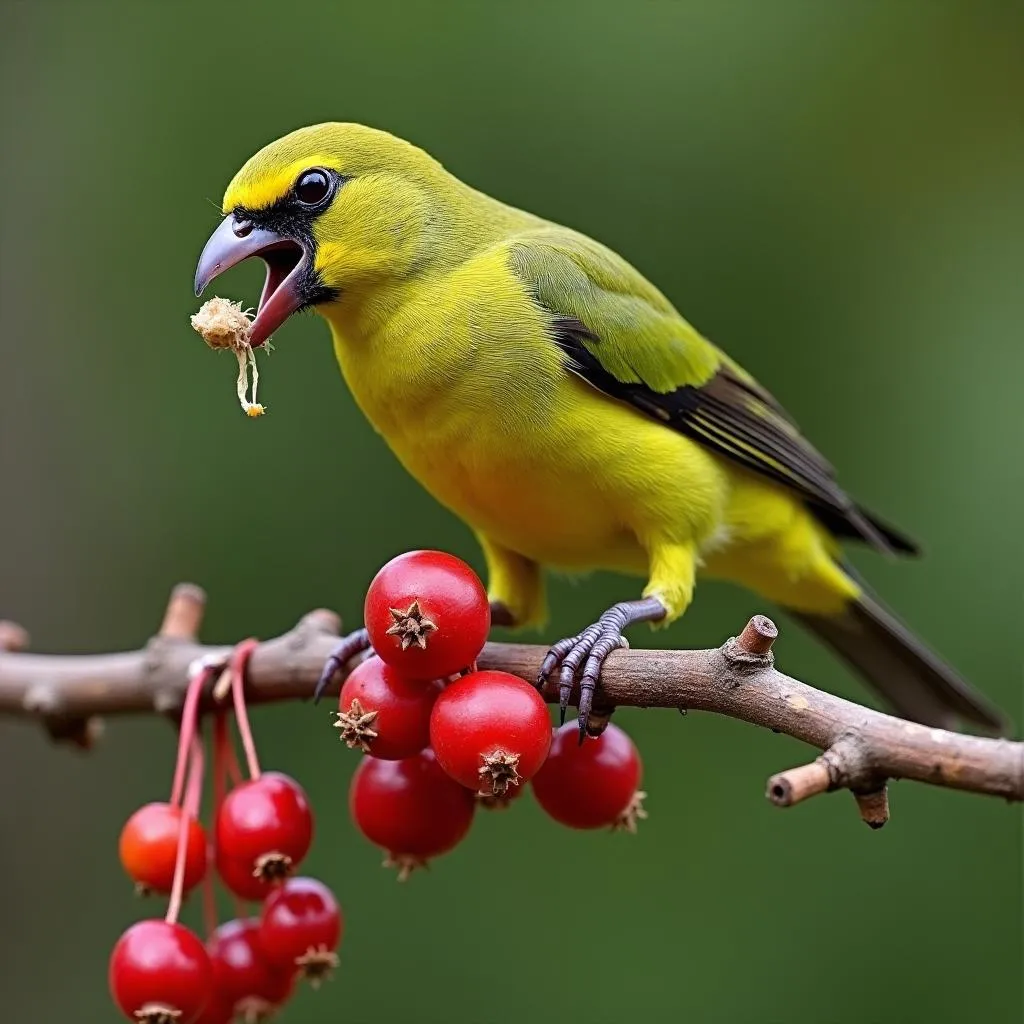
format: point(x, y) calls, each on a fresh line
point(190, 811)
point(220, 736)
point(239, 659)
point(200, 675)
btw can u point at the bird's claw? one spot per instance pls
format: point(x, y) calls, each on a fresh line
point(588, 649)
point(344, 651)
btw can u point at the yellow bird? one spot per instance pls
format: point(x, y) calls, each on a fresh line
point(551, 397)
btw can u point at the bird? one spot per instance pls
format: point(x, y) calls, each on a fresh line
point(551, 397)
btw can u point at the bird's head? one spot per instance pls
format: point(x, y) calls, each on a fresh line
point(329, 209)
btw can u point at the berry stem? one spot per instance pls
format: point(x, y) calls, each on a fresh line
point(190, 810)
point(221, 747)
point(200, 675)
point(239, 658)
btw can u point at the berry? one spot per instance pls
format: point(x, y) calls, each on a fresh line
point(594, 785)
point(490, 730)
point(218, 1011)
point(149, 848)
point(241, 974)
point(266, 823)
point(240, 878)
point(427, 614)
point(410, 808)
point(301, 927)
point(383, 713)
point(160, 974)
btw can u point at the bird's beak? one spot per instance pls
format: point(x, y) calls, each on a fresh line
point(287, 261)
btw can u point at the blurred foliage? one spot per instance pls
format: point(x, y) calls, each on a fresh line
point(831, 191)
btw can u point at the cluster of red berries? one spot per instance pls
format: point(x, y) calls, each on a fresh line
point(442, 737)
point(160, 971)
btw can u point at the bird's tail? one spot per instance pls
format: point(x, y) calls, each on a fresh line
point(912, 679)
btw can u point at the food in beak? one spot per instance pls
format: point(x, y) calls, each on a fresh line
point(223, 324)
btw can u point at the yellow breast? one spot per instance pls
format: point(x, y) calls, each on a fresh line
point(460, 377)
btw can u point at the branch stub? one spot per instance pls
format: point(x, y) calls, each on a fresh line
point(184, 614)
point(12, 636)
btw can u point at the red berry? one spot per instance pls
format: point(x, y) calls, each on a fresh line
point(490, 730)
point(160, 972)
point(149, 848)
point(241, 974)
point(239, 878)
point(384, 713)
point(593, 786)
point(218, 1011)
point(301, 927)
point(427, 614)
point(410, 808)
point(266, 823)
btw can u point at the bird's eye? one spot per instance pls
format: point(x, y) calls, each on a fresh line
point(313, 187)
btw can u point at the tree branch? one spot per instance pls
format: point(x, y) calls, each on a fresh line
point(861, 748)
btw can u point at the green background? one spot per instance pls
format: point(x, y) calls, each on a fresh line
point(831, 191)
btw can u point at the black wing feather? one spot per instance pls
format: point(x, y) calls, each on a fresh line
point(740, 420)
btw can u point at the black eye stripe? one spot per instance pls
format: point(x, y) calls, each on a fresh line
point(289, 215)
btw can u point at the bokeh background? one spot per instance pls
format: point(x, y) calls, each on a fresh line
point(831, 191)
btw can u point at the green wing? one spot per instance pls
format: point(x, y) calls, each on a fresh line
point(622, 336)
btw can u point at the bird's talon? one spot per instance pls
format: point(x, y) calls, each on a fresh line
point(345, 649)
point(564, 693)
point(587, 686)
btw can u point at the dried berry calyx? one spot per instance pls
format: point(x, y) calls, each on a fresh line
point(406, 864)
point(157, 1013)
point(497, 802)
point(253, 1010)
point(273, 867)
point(317, 964)
point(634, 812)
point(499, 771)
point(411, 626)
point(356, 726)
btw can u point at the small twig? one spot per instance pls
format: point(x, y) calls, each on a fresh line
point(184, 614)
point(788, 788)
point(861, 748)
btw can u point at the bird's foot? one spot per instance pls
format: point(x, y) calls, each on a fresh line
point(344, 651)
point(589, 650)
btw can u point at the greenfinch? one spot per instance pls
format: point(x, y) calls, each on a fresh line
point(554, 399)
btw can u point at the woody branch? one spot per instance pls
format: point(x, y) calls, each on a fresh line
point(861, 748)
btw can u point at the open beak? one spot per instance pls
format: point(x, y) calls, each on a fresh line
point(287, 264)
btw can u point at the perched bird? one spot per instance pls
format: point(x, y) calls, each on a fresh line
point(550, 396)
